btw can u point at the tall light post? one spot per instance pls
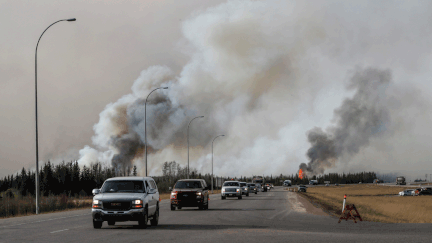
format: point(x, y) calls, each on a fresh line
point(212, 160)
point(188, 141)
point(36, 115)
point(145, 124)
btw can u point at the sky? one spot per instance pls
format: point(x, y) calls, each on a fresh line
point(264, 73)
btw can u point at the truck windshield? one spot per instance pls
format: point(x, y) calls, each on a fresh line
point(123, 186)
point(242, 184)
point(250, 184)
point(187, 184)
point(231, 184)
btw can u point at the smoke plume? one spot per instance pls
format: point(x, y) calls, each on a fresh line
point(263, 73)
point(357, 121)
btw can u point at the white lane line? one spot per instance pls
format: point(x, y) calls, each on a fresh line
point(58, 231)
point(43, 220)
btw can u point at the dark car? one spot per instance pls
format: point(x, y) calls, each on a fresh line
point(252, 188)
point(190, 193)
point(425, 191)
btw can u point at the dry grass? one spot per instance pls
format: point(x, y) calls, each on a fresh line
point(21, 206)
point(374, 202)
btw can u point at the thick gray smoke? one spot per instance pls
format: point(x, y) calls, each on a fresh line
point(357, 121)
point(263, 73)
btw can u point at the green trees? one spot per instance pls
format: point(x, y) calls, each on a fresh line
point(65, 178)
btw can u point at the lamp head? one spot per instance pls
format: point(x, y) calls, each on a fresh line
point(165, 87)
point(73, 19)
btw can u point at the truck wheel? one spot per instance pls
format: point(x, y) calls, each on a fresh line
point(111, 222)
point(155, 220)
point(240, 197)
point(223, 198)
point(142, 222)
point(247, 195)
point(256, 192)
point(179, 208)
point(172, 208)
point(97, 224)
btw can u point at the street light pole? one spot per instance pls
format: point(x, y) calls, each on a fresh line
point(36, 115)
point(212, 160)
point(188, 141)
point(145, 125)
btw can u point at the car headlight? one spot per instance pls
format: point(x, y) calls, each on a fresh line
point(198, 193)
point(238, 190)
point(223, 189)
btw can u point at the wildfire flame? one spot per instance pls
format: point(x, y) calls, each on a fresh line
point(300, 173)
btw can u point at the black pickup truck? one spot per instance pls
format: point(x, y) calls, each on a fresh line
point(190, 193)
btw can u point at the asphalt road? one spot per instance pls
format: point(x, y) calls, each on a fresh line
point(274, 216)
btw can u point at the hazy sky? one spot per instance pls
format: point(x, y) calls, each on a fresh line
point(268, 70)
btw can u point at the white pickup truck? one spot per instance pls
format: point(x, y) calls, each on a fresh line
point(126, 199)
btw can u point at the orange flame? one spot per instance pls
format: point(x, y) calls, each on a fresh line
point(301, 174)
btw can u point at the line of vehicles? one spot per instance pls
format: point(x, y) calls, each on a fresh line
point(417, 192)
point(137, 198)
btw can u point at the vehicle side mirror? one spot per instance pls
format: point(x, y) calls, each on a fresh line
point(151, 191)
point(95, 191)
point(170, 188)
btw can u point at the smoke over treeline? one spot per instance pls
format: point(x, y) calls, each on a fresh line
point(259, 72)
point(356, 121)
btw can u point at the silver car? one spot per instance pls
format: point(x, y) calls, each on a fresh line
point(126, 199)
point(231, 189)
point(245, 188)
point(409, 192)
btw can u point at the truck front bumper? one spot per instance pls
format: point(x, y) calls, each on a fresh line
point(110, 215)
point(231, 194)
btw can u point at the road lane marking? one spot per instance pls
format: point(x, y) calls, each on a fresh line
point(58, 231)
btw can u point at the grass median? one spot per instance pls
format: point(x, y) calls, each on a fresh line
point(375, 203)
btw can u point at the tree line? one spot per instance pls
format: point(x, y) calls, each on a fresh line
point(65, 178)
point(71, 180)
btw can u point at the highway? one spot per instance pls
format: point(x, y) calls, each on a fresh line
point(274, 216)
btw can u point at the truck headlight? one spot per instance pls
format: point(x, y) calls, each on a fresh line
point(137, 203)
point(198, 193)
point(238, 190)
point(97, 204)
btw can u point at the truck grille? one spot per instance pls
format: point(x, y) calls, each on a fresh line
point(230, 189)
point(118, 206)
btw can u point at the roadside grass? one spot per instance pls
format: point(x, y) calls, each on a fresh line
point(375, 203)
point(22, 206)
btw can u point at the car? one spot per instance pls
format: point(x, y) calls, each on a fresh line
point(245, 188)
point(231, 189)
point(336, 184)
point(189, 193)
point(409, 192)
point(313, 182)
point(301, 188)
point(425, 193)
point(126, 199)
point(252, 188)
point(268, 186)
point(272, 186)
point(259, 187)
point(287, 183)
point(327, 184)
